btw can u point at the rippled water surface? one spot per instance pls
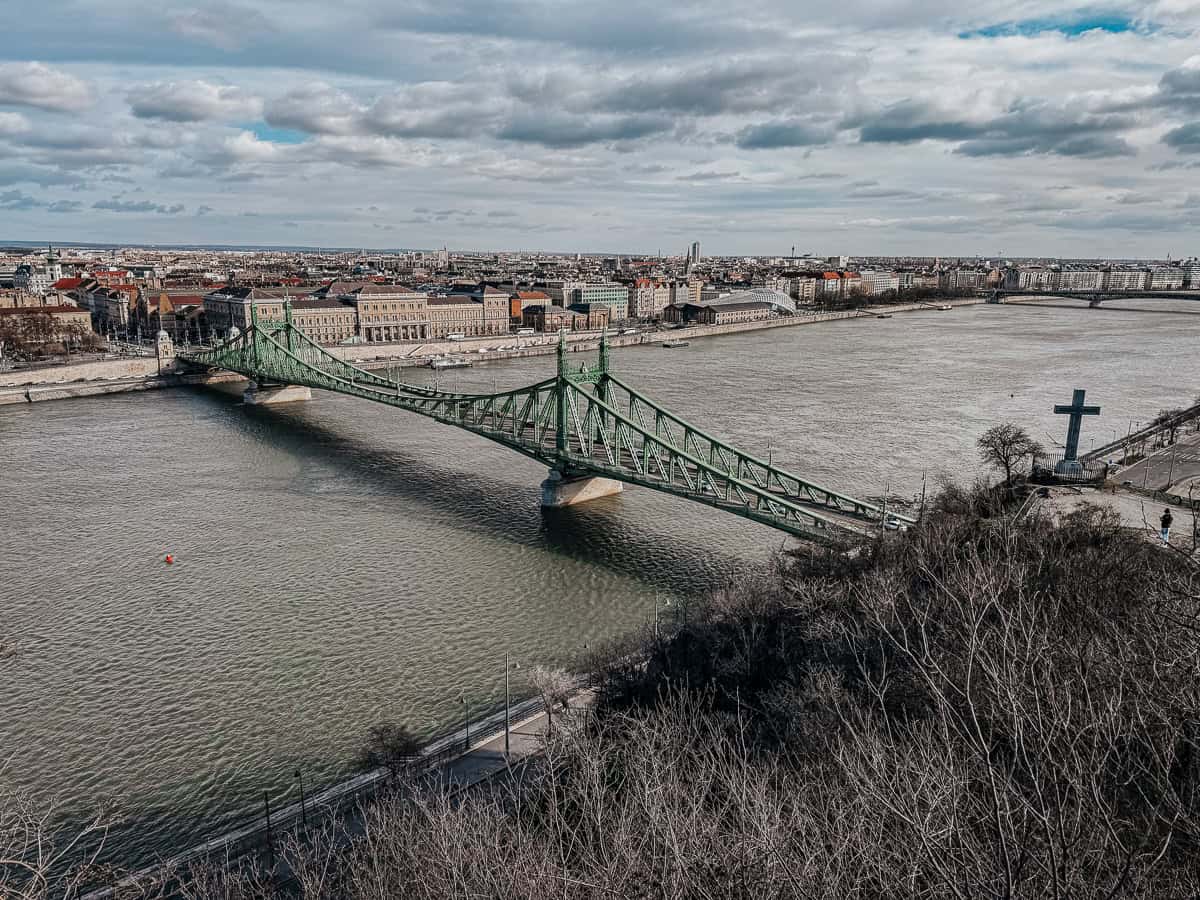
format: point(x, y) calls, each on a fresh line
point(340, 563)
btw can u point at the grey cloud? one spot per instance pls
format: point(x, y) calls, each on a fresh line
point(576, 23)
point(1141, 222)
point(138, 206)
point(578, 131)
point(317, 108)
point(18, 200)
point(192, 101)
point(226, 26)
point(1168, 166)
point(1027, 127)
point(424, 110)
point(36, 85)
point(708, 176)
point(772, 135)
point(1084, 146)
point(748, 85)
point(884, 193)
point(909, 121)
point(1185, 138)
point(1180, 88)
point(23, 173)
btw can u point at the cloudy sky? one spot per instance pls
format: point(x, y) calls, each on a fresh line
point(864, 126)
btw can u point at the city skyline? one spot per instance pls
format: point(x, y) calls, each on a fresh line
point(927, 129)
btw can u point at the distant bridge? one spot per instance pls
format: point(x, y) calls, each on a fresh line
point(590, 428)
point(1093, 298)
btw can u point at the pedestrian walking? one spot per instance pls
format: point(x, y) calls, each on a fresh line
point(1165, 521)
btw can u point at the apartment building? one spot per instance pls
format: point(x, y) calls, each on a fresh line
point(1125, 279)
point(876, 283)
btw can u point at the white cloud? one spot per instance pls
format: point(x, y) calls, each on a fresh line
point(13, 123)
point(41, 87)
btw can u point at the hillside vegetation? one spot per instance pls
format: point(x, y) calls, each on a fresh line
point(979, 707)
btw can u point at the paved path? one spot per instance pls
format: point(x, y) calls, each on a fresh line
point(1137, 512)
point(482, 762)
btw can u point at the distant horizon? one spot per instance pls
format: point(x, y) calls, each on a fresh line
point(300, 248)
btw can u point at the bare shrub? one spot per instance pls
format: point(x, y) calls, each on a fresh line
point(389, 746)
point(978, 707)
point(554, 686)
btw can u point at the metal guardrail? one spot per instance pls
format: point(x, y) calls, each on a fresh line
point(258, 832)
point(1143, 434)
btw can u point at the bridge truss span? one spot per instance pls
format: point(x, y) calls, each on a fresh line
point(584, 422)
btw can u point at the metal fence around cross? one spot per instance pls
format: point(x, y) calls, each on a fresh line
point(1055, 469)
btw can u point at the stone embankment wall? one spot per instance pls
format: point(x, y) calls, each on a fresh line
point(380, 356)
point(140, 374)
point(107, 370)
point(36, 393)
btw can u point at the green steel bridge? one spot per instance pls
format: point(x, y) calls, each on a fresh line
point(582, 423)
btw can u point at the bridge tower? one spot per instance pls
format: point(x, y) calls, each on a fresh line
point(262, 392)
point(563, 486)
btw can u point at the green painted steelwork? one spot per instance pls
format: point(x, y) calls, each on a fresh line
point(582, 422)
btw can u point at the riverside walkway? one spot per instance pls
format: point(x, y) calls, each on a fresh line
point(446, 760)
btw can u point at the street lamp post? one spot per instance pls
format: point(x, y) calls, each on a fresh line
point(303, 807)
point(462, 698)
point(508, 666)
point(270, 843)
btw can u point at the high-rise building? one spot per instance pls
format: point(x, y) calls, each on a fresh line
point(695, 252)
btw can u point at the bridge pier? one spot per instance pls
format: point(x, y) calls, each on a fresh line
point(559, 490)
point(262, 394)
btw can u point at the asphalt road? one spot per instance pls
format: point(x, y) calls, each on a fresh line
point(1175, 467)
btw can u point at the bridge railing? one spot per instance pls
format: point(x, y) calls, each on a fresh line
point(758, 471)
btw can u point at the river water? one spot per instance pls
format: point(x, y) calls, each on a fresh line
point(340, 563)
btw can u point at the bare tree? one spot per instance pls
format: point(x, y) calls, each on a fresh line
point(391, 746)
point(555, 687)
point(1169, 420)
point(43, 858)
point(1006, 446)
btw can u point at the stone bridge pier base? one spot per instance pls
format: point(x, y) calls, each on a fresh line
point(261, 394)
point(559, 490)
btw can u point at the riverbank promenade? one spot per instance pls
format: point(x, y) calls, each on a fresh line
point(447, 761)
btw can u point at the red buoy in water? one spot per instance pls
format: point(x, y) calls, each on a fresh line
point(170, 559)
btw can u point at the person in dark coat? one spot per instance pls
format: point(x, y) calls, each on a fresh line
point(1165, 521)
